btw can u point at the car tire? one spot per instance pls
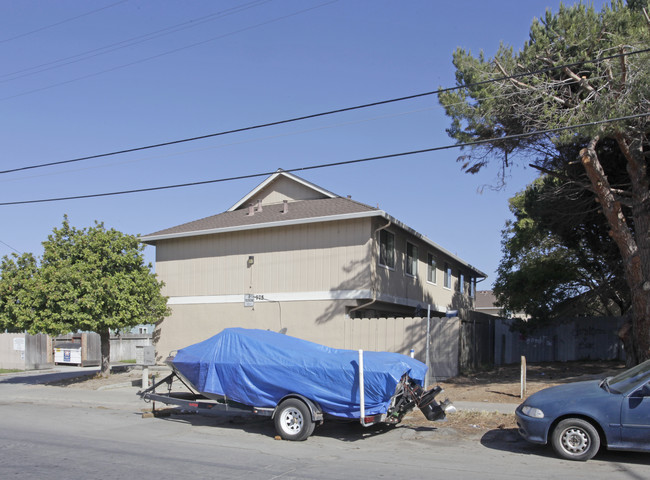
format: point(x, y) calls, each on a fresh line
point(293, 420)
point(575, 439)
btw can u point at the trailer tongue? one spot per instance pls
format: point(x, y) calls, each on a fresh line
point(296, 383)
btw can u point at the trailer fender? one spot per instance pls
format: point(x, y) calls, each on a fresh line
point(314, 409)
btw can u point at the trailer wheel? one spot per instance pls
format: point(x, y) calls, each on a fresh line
point(293, 420)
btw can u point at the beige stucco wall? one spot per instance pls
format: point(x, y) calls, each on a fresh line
point(284, 189)
point(317, 321)
point(396, 283)
point(313, 257)
point(303, 277)
point(321, 322)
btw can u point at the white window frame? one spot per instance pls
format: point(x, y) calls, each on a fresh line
point(432, 268)
point(383, 234)
point(411, 262)
point(449, 276)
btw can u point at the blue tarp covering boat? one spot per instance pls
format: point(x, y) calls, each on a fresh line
point(260, 367)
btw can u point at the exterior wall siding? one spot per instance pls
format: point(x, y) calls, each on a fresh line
point(400, 335)
point(320, 322)
point(314, 257)
point(317, 321)
point(395, 282)
point(285, 189)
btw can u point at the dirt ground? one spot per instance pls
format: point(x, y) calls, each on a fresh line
point(503, 385)
point(500, 385)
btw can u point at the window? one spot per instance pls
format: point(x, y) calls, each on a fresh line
point(461, 282)
point(431, 269)
point(472, 287)
point(447, 276)
point(411, 266)
point(387, 249)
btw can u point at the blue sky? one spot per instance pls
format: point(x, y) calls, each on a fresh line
point(82, 78)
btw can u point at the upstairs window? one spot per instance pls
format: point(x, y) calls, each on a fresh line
point(461, 282)
point(411, 267)
point(447, 276)
point(386, 249)
point(431, 269)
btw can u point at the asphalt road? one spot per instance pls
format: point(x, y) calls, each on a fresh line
point(53, 432)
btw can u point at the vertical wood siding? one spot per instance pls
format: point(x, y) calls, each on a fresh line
point(400, 335)
point(313, 257)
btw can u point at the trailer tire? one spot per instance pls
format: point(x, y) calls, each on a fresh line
point(293, 420)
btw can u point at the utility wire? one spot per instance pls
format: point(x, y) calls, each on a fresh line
point(61, 22)
point(7, 245)
point(327, 165)
point(215, 147)
point(321, 114)
point(25, 72)
point(168, 52)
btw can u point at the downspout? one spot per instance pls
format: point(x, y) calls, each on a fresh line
point(374, 279)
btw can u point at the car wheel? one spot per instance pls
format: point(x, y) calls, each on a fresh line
point(575, 439)
point(293, 420)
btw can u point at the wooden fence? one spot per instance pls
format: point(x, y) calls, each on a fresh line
point(454, 345)
point(29, 352)
point(402, 335)
point(487, 340)
point(582, 338)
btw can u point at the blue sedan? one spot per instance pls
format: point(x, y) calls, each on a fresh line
point(578, 418)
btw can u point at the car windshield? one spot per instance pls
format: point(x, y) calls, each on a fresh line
point(630, 379)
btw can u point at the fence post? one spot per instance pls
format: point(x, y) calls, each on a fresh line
point(523, 376)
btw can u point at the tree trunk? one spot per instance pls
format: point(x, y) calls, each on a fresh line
point(635, 250)
point(105, 347)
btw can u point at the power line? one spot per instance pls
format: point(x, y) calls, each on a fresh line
point(61, 22)
point(327, 165)
point(7, 245)
point(219, 146)
point(25, 72)
point(168, 52)
point(316, 115)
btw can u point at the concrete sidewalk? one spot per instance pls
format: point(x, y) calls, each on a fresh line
point(29, 387)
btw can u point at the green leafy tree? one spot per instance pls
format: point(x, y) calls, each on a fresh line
point(579, 66)
point(89, 279)
point(557, 255)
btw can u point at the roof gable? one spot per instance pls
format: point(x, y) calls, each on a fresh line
point(284, 200)
point(282, 186)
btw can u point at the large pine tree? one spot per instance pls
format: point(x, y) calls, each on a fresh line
point(579, 67)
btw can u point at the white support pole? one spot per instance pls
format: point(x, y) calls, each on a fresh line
point(362, 393)
point(145, 377)
point(428, 342)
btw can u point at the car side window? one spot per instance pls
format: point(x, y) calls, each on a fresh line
point(643, 391)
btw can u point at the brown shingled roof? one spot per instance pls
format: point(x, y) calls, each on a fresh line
point(298, 210)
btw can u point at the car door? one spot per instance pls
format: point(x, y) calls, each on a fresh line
point(635, 419)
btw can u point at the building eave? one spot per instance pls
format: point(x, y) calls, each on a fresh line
point(152, 239)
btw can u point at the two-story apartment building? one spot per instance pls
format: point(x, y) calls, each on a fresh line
point(291, 256)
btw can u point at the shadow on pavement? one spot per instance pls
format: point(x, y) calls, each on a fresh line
point(39, 378)
point(509, 440)
point(342, 430)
